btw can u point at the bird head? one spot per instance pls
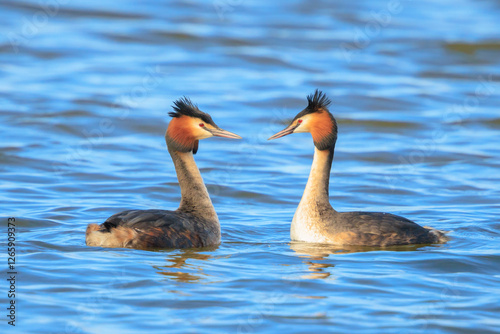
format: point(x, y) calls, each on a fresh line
point(189, 124)
point(317, 120)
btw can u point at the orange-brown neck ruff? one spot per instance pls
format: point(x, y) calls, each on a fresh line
point(179, 135)
point(323, 129)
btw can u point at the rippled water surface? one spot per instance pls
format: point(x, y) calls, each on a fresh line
point(85, 90)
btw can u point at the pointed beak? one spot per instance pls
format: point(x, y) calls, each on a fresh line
point(223, 133)
point(284, 132)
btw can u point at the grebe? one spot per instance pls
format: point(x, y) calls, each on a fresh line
point(316, 221)
point(195, 222)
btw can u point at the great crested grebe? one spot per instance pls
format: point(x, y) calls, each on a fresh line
point(316, 221)
point(195, 222)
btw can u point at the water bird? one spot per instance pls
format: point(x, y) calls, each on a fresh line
point(315, 220)
point(195, 222)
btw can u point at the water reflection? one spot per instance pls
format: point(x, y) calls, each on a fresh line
point(314, 255)
point(182, 268)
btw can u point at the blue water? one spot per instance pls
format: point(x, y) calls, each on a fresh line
point(85, 90)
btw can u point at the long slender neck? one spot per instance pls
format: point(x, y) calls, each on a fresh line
point(319, 178)
point(195, 198)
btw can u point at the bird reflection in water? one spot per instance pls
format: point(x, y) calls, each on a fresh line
point(183, 268)
point(314, 255)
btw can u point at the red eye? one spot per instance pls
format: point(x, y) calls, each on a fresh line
point(202, 125)
point(300, 121)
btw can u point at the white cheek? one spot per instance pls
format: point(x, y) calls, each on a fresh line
point(303, 127)
point(299, 129)
point(203, 134)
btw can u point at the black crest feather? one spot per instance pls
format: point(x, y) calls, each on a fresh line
point(318, 100)
point(184, 107)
